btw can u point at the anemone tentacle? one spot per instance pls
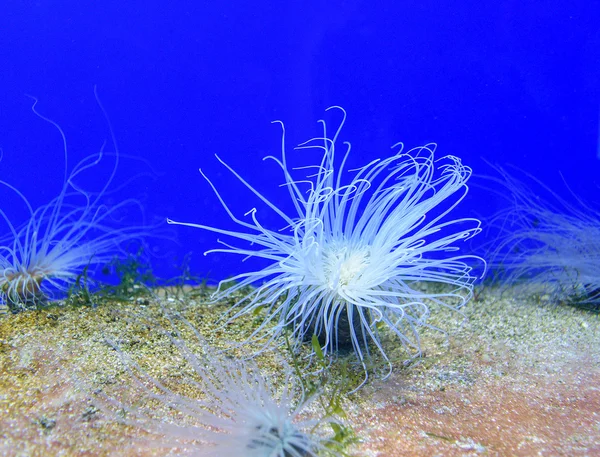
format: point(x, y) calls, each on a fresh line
point(546, 244)
point(356, 247)
point(235, 409)
point(43, 257)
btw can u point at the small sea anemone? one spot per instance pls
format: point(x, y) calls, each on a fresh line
point(63, 239)
point(357, 254)
point(549, 246)
point(228, 407)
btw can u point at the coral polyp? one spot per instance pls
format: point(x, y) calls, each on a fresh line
point(63, 239)
point(352, 258)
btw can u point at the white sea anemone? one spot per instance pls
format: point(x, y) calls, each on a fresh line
point(353, 257)
point(234, 410)
point(63, 239)
point(547, 245)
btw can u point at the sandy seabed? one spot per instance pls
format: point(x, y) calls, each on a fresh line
point(520, 378)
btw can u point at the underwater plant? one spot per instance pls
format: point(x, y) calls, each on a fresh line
point(355, 257)
point(64, 239)
point(547, 245)
point(236, 410)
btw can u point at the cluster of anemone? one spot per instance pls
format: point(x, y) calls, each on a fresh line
point(70, 236)
point(235, 410)
point(352, 258)
point(364, 255)
point(549, 246)
point(361, 256)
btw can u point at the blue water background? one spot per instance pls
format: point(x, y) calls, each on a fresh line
point(508, 81)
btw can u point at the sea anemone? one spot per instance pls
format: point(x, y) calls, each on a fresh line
point(549, 246)
point(63, 239)
point(354, 257)
point(228, 407)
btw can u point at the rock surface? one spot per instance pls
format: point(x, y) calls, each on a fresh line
point(521, 377)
